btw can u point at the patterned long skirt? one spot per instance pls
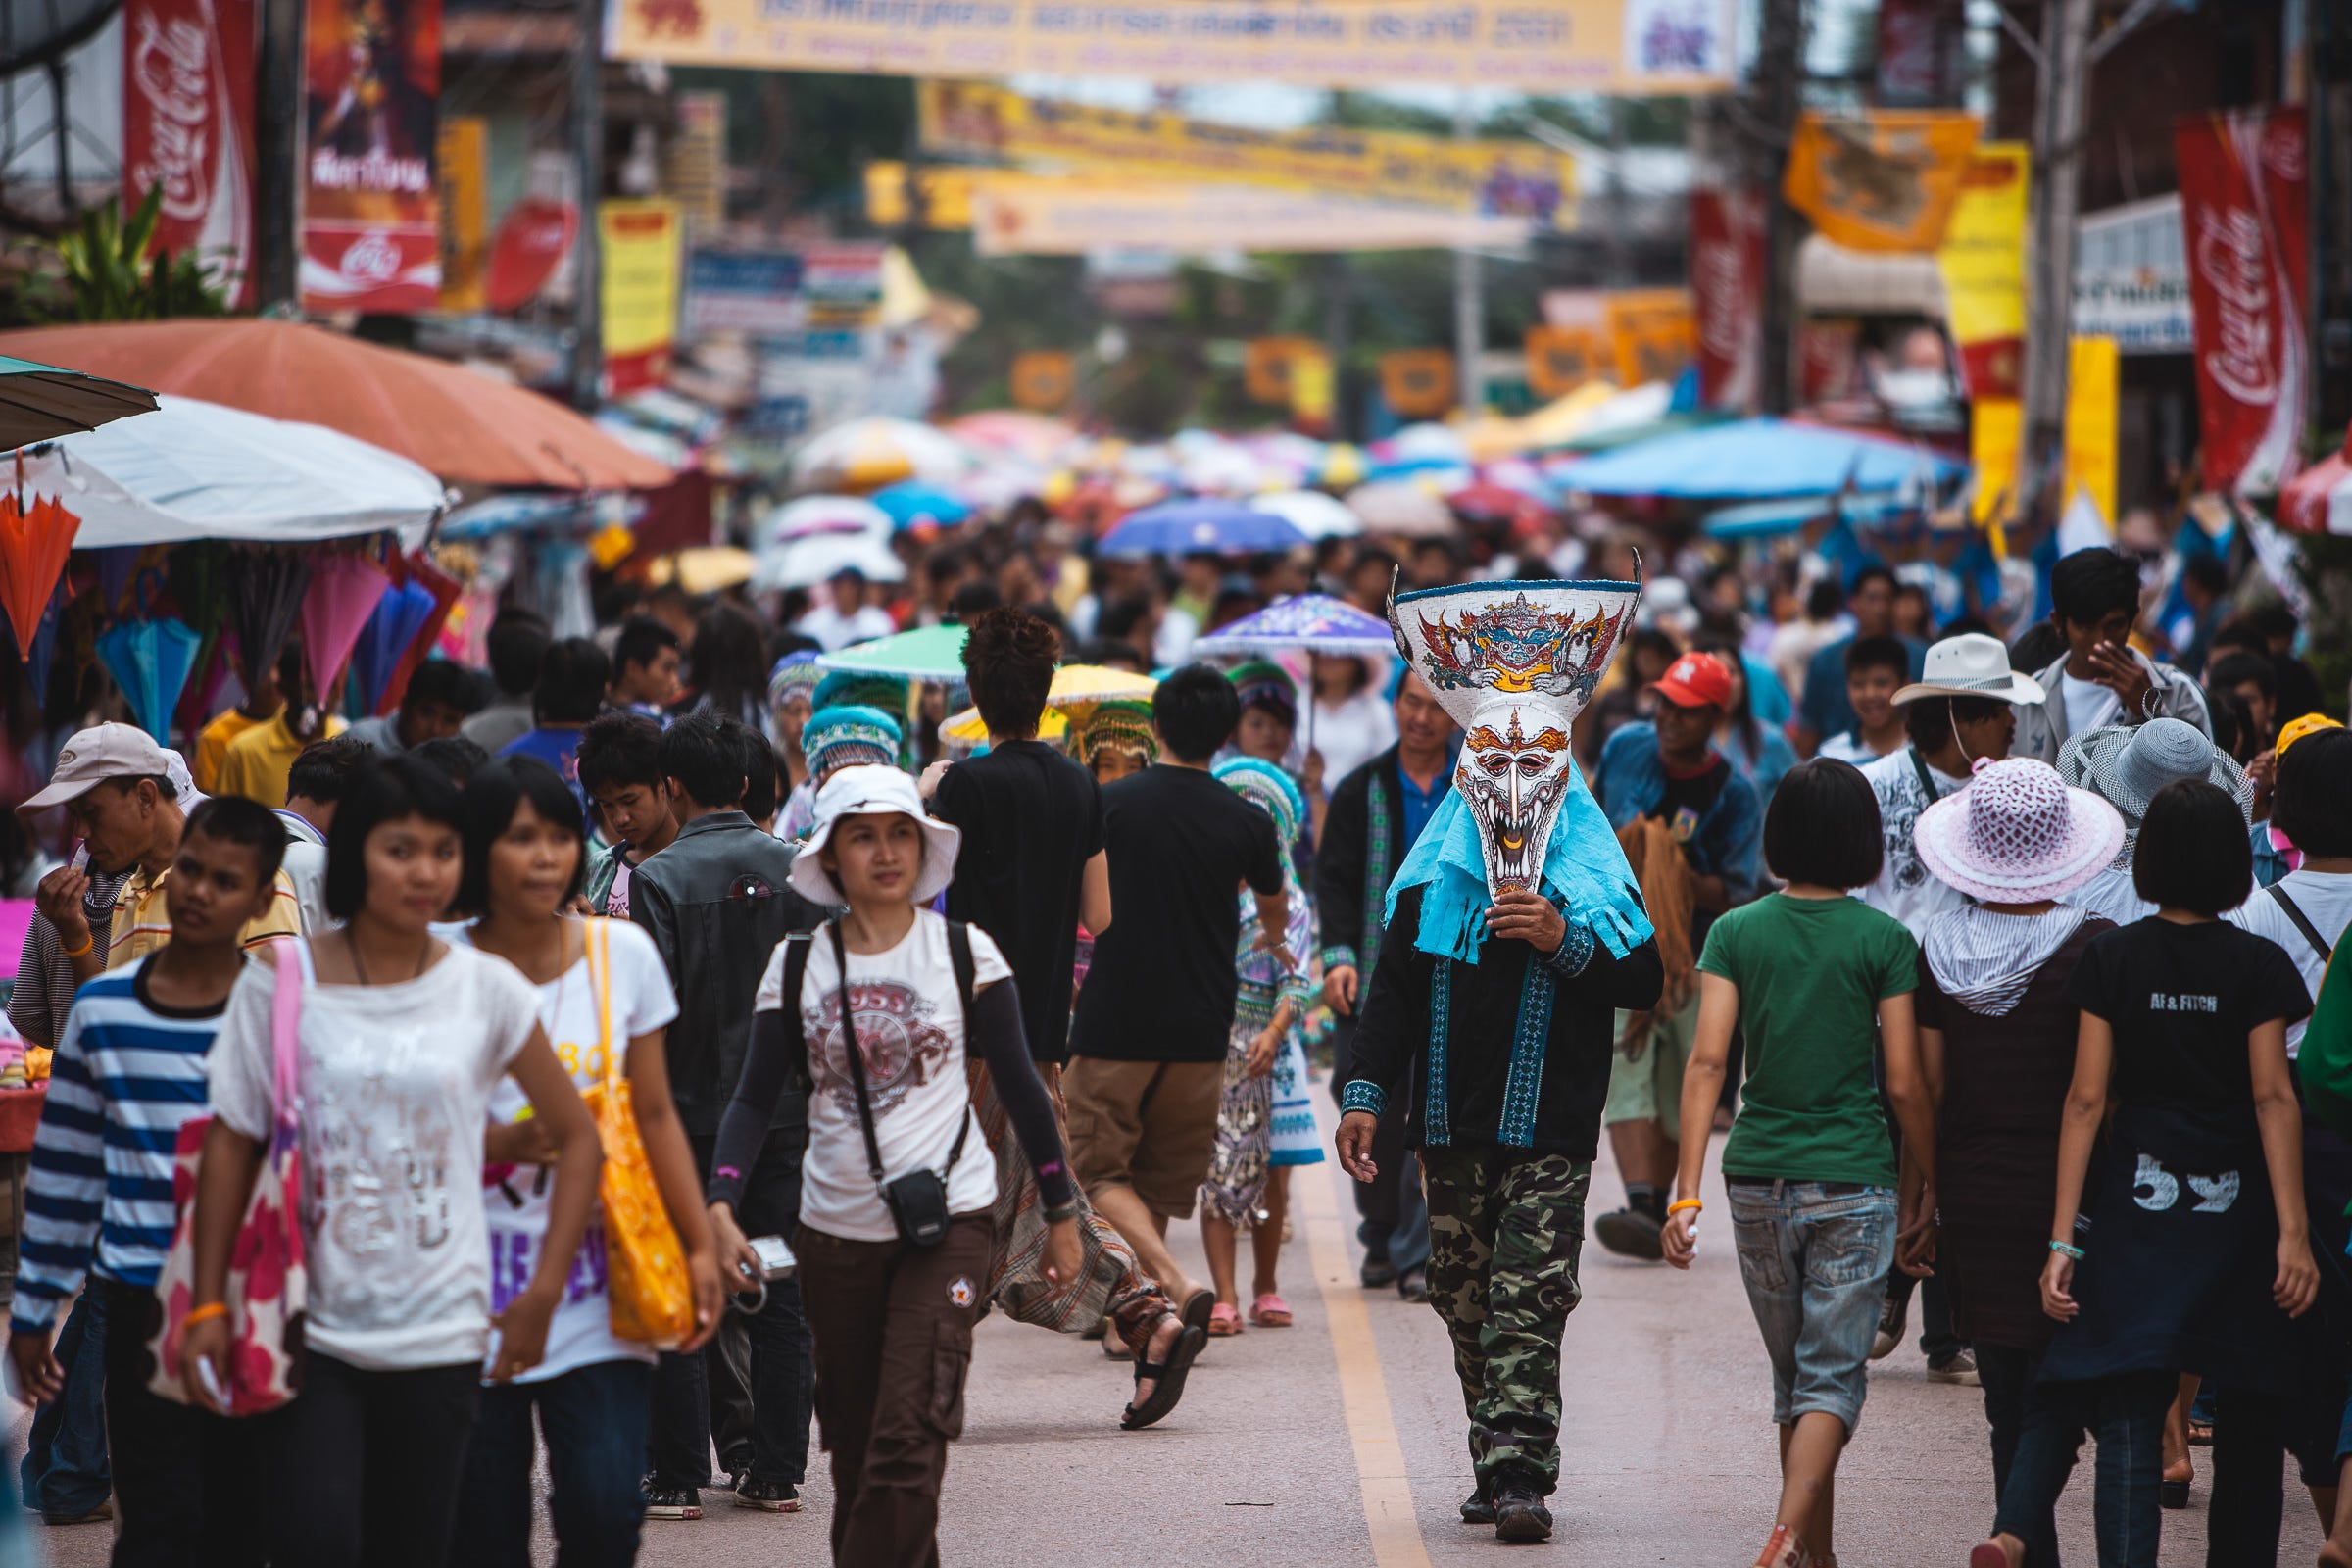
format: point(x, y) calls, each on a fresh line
point(1237, 1173)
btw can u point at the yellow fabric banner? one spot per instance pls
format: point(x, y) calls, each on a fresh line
point(1982, 260)
point(946, 192)
point(1562, 359)
point(1268, 365)
point(638, 248)
point(1507, 178)
point(1997, 432)
point(1541, 46)
point(1418, 383)
point(462, 154)
point(1881, 181)
point(1020, 215)
point(2094, 367)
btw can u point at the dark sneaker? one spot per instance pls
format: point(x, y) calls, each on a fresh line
point(1893, 1313)
point(1958, 1367)
point(1414, 1285)
point(1376, 1272)
point(775, 1496)
point(90, 1516)
point(1631, 1232)
point(1519, 1514)
point(673, 1502)
point(1477, 1510)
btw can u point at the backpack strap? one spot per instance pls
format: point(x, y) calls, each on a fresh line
point(2294, 911)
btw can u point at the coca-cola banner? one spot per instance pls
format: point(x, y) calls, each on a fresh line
point(2242, 217)
point(1726, 289)
point(370, 237)
point(187, 127)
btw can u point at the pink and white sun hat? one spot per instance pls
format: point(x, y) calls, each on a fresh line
point(2018, 834)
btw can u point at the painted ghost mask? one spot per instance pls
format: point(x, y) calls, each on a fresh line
point(1513, 664)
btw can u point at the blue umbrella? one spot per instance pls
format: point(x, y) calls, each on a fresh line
point(911, 503)
point(43, 651)
point(1764, 518)
point(1758, 460)
point(1315, 622)
point(150, 660)
point(391, 627)
point(1200, 527)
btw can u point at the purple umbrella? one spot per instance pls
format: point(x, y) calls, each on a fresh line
point(1201, 527)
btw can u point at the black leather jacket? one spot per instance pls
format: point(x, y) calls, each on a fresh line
point(716, 903)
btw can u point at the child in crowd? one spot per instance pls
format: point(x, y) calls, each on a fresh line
point(620, 771)
point(1814, 978)
point(1876, 668)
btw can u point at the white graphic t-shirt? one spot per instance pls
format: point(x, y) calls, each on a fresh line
point(910, 1030)
point(395, 1082)
point(514, 1198)
point(1905, 888)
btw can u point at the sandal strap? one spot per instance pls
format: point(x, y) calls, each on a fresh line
point(1145, 1370)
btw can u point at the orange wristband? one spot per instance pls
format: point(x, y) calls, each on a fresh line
point(89, 940)
point(203, 1314)
point(1680, 1204)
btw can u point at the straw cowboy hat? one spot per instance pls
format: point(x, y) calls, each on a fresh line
point(1971, 664)
point(2017, 834)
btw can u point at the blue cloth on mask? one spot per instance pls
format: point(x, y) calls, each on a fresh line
point(1584, 871)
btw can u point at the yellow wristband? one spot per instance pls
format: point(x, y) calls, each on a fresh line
point(203, 1314)
point(1677, 1207)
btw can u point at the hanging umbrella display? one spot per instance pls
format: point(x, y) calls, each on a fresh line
point(42, 650)
point(1200, 528)
point(396, 622)
point(343, 594)
point(265, 594)
point(151, 661)
point(929, 652)
point(33, 546)
point(1076, 688)
point(1313, 513)
point(41, 402)
point(1315, 623)
point(1401, 510)
point(444, 588)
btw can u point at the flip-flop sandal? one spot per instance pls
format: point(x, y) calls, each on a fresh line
point(1170, 1374)
point(1224, 1321)
point(1270, 1311)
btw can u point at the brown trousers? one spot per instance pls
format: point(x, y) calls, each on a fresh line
point(892, 1324)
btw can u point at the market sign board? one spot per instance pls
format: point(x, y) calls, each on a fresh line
point(1540, 46)
point(370, 202)
point(2132, 277)
point(187, 127)
point(756, 293)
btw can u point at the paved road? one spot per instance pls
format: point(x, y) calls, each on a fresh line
point(1339, 1441)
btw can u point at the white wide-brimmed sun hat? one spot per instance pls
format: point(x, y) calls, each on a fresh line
point(1971, 664)
point(868, 788)
point(2018, 834)
point(2126, 765)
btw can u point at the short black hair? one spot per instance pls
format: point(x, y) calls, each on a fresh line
point(1878, 652)
point(1196, 710)
point(641, 641)
point(1824, 600)
point(2231, 670)
point(1649, 639)
point(488, 805)
point(1121, 617)
point(2311, 804)
point(1873, 572)
point(1009, 667)
point(2209, 572)
point(706, 759)
point(234, 820)
point(384, 789)
point(323, 772)
point(453, 756)
point(2037, 647)
point(2194, 853)
point(759, 796)
point(974, 600)
point(439, 680)
point(1928, 721)
point(2238, 631)
point(2275, 619)
point(573, 677)
point(618, 750)
point(1821, 826)
point(2089, 585)
point(517, 641)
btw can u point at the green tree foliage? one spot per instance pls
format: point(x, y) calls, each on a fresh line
point(104, 273)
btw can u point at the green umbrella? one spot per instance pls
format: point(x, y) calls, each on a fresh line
point(930, 652)
point(41, 402)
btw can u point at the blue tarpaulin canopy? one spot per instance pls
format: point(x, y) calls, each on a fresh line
point(1758, 460)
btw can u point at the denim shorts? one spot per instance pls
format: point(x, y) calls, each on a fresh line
point(1814, 1256)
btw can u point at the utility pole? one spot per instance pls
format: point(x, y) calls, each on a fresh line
point(1781, 91)
point(277, 155)
point(2064, 60)
point(1469, 298)
point(588, 154)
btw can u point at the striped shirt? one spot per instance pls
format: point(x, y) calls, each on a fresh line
point(127, 1075)
point(45, 982)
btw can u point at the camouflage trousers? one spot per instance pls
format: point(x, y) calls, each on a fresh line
point(1505, 1229)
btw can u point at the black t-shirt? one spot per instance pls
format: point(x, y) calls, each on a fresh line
point(1162, 985)
point(2182, 1000)
point(1031, 820)
point(1694, 793)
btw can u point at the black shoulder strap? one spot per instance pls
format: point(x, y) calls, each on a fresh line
point(795, 972)
point(849, 1038)
point(959, 955)
point(2294, 912)
point(1926, 780)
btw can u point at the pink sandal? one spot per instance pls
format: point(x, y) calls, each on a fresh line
point(1224, 1321)
point(1270, 1311)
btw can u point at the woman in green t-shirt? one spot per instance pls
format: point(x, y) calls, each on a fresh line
point(1815, 980)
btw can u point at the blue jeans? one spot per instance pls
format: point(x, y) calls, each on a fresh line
point(2008, 1375)
point(64, 1470)
point(1814, 1257)
point(594, 1418)
point(2126, 1415)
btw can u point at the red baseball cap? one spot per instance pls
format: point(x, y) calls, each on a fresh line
point(1695, 680)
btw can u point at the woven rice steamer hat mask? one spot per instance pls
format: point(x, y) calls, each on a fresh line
point(1513, 664)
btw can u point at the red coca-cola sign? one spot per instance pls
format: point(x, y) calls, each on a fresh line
point(187, 127)
point(1727, 283)
point(2244, 205)
point(532, 241)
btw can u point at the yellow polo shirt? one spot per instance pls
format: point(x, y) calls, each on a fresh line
point(211, 745)
point(258, 761)
point(143, 919)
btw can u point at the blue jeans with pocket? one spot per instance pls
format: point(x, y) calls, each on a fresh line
point(2125, 1414)
point(1814, 1257)
point(595, 1417)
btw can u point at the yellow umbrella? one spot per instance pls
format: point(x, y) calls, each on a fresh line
point(1563, 419)
point(705, 568)
point(1076, 688)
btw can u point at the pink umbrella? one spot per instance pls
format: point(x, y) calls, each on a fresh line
point(344, 589)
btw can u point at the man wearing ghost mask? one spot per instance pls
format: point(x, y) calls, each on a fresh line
point(1514, 929)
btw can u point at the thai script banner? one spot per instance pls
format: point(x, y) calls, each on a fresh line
point(2132, 277)
point(1015, 214)
point(1503, 179)
point(2244, 205)
point(371, 235)
point(187, 127)
point(1541, 46)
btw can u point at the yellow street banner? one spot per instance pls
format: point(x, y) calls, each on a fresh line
point(1562, 359)
point(1884, 180)
point(638, 249)
point(2094, 399)
point(1505, 178)
point(463, 163)
point(1540, 46)
point(1982, 260)
point(1315, 389)
point(1654, 332)
point(945, 191)
point(1997, 433)
point(1269, 364)
point(1019, 215)
point(1417, 384)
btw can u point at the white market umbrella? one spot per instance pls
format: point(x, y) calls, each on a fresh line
point(1313, 513)
point(869, 452)
point(192, 469)
point(805, 562)
point(811, 515)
